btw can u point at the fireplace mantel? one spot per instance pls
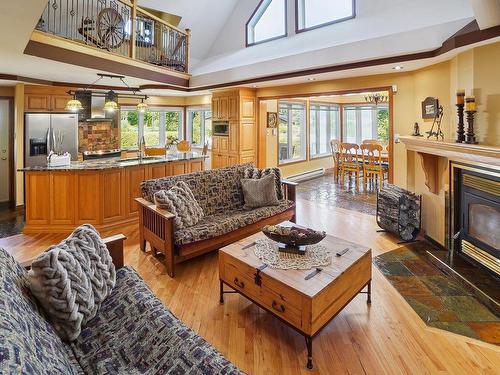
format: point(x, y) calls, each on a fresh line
point(431, 150)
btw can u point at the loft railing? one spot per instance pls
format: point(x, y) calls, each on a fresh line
point(119, 27)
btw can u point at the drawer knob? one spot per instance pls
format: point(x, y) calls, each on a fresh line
point(278, 307)
point(239, 283)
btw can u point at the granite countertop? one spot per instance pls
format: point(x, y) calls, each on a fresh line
point(113, 163)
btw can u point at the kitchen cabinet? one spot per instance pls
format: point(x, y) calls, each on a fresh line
point(45, 103)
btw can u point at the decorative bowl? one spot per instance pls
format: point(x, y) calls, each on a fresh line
point(293, 237)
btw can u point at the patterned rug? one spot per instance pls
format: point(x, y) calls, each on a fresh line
point(439, 299)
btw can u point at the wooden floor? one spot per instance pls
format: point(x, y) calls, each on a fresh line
point(386, 338)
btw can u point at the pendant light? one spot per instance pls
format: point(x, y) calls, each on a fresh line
point(73, 105)
point(111, 105)
point(142, 107)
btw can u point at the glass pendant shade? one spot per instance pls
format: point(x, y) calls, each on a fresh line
point(110, 106)
point(73, 105)
point(142, 107)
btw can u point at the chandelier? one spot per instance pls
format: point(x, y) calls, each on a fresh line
point(376, 98)
point(111, 97)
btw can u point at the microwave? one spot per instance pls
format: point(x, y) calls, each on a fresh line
point(220, 128)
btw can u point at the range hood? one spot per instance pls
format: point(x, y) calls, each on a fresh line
point(93, 108)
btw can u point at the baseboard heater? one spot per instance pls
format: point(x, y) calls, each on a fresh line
point(306, 175)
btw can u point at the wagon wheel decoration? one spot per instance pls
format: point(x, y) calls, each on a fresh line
point(110, 28)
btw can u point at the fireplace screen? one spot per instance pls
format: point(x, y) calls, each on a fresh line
point(484, 224)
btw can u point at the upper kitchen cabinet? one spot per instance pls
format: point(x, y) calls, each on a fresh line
point(45, 99)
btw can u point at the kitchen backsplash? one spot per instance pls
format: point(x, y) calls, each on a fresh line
point(93, 136)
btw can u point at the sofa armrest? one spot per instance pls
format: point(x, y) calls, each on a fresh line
point(151, 206)
point(289, 190)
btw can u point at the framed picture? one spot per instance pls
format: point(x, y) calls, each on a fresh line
point(272, 119)
point(430, 108)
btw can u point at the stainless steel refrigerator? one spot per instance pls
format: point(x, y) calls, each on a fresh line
point(39, 134)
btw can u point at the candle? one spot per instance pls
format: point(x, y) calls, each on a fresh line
point(460, 96)
point(470, 103)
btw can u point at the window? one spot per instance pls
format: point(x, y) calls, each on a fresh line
point(199, 121)
point(317, 13)
point(156, 125)
point(324, 126)
point(292, 132)
point(366, 122)
point(268, 22)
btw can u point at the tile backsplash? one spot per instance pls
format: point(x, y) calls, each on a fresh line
point(93, 136)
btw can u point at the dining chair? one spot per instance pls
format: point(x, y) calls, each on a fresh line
point(155, 151)
point(372, 163)
point(335, 148)
point(184, 146)
point(349, 160)
point(204, 150)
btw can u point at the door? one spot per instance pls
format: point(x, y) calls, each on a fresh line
point(67, 126)
point(5, 151)
point(36, 134)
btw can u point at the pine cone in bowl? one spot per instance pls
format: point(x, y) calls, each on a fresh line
point(293, 236)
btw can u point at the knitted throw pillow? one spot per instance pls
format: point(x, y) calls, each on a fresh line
point(71, 280)
point(180, 201)
point(259, 173)
point(259, 192)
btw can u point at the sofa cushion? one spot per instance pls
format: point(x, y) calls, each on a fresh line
point(256, 173)
point(225, 222)
point(133, 333)
point(71, 279)
point(259, 192)
point(180, 201)
point(215, 190)
point(28, 342)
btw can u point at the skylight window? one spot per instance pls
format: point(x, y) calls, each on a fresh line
point(316, 13)
point(268, 22)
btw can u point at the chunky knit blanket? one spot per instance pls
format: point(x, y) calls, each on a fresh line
point(71, 280)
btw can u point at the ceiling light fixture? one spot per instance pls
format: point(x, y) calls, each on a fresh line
point(73, 105)
point(376, 98)
point(311, 79)
point(110, 104)
point(142, 107)
point(398, 67)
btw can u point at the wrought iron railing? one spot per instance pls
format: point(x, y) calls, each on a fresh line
point(109, 25)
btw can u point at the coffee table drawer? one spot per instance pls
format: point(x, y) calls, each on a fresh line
point(275, 303)
point(240, 281)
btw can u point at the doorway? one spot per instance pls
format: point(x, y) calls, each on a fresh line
point(6, 152)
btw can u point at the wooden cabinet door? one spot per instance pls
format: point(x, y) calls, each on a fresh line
point(62, 198)
point(158, 170)
point(196, 166)
point(36, 103)
point(179, 167)
point(232, 160)
point(215, 143)
point(247, 109)
point(248, 137)
point(58, 102)
point(37, 198)
point(233, 108)
point(223, 108)
point(223, 144)
point(88, 191)
point(134, 177)
point(113, 195)
point(215, 108)
point(215, 161)
point(233, 137)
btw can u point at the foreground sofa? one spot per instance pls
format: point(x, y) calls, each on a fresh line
point(220, 195)
point(132, 333)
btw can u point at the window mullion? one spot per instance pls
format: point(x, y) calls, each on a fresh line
point(162, 128)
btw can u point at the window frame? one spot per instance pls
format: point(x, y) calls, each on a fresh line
point(317, 109)
point(161, 126)
point(304, 133)
point(189, 125)
point(299, 30)
point(261, 2)
point(359, 125)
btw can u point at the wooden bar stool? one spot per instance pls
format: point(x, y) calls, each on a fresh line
point(372, 163)
point(349, 160)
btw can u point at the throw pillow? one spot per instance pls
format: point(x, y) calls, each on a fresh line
point(71, 280)
point(180, 201)
point(259, 173)
point(259, 192)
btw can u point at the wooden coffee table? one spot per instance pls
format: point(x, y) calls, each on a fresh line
point(306, 300)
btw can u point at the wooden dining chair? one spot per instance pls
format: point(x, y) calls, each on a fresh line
point(184, 146)
point(155, 151)
point(372, 163)
point(335, 148)
point(349, 160)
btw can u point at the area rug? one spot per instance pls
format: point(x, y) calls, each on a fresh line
point(439, 299)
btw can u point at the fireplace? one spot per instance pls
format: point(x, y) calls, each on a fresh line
point(475, 199)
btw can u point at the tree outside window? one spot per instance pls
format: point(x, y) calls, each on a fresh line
point(291, 128)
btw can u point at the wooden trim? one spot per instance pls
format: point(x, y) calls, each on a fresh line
point(11, 155)
point(269, 39)
point(298, 31)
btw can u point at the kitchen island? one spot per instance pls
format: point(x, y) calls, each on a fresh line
point(97, 192)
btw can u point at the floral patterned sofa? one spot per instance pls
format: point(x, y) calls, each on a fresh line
point(132, 333)
point(220, 195)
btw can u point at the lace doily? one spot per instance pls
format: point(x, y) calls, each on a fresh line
point(315, 256)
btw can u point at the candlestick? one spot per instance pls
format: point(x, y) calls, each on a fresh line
point(470, 137)
point(470, 103)
point(460, 96)
point(460, 130)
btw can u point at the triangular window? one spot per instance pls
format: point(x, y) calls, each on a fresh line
point(267, 22)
